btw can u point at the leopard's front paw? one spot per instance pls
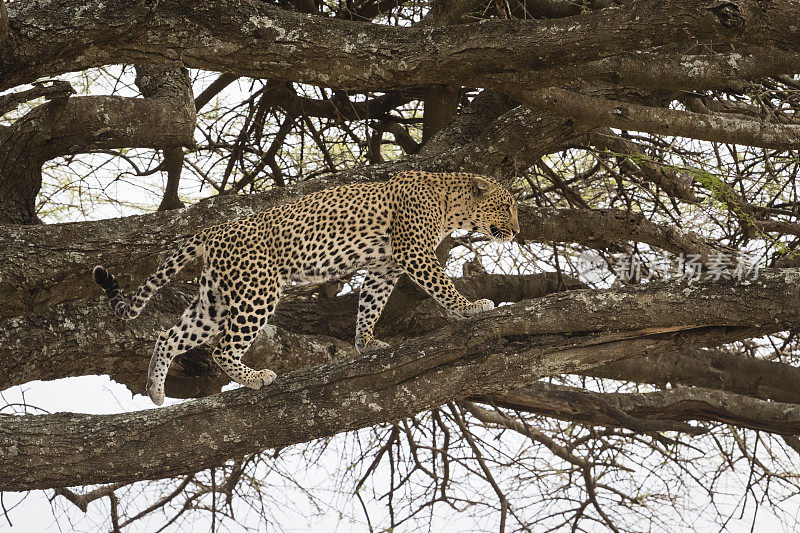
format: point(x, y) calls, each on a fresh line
point(370, 345)
point(478, 306)
point(261, 378)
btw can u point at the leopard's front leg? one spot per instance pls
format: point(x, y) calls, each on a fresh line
point(416, 231)
point(425, 270)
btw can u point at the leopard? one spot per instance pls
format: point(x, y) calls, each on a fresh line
point(385, 228)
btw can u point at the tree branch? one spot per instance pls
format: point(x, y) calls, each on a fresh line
point(671, 68)
point(84, 338)
point(591, 110)
point(600, 227)
point(72, 125)
point(710, 369)
point(160, 81)
point(214, 89)
point(4, 29)
point(652, 411)
point(508, 347)
point(281, 94)
point(260, 40)
point(56, 90)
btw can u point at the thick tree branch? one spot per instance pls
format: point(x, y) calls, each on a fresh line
point(711, 369)
point(600, 227)
point(260, 40)
point(595, 111)
point(671, 68)
point(173, 165)
point(160, 81)
point(473, 122)
point(281, 95)
point(85, 338)
point(652, 411)
point(72, 125)
point(509, 347)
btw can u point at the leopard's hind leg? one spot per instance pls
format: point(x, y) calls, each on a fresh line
point(247, 314)
point(200, 321)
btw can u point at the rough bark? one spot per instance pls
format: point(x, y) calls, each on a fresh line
point(85, 338)
point(593, 111)
point(601, 227)
point(254, 39)
point(72, 125)
point(672, 68)
point(4, 30)
point(156, 81)
point(506, 348)
point(649, 411)
point(710, 369)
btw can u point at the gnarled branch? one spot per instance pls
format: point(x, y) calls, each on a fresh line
point(71, 125)
point(507, 348)
point(261, 40)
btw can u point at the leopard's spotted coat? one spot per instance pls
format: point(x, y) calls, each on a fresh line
point(388, 228)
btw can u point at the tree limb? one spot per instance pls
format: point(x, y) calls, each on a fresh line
point(4, 29)
point(71, 125)
point(57, 89)
point(671, 68)
point(261, 40)
point(652, 411)
point(84, 338)
point(508, 347)
point(600, 227)
point(711, 369)
point(595, 111)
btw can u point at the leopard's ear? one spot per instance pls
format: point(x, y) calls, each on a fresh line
point(481, 187)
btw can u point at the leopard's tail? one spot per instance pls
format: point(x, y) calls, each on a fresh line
point(190, 250)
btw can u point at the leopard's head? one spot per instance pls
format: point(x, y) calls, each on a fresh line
point(494, 210)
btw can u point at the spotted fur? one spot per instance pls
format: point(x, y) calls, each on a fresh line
point(387, 228)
